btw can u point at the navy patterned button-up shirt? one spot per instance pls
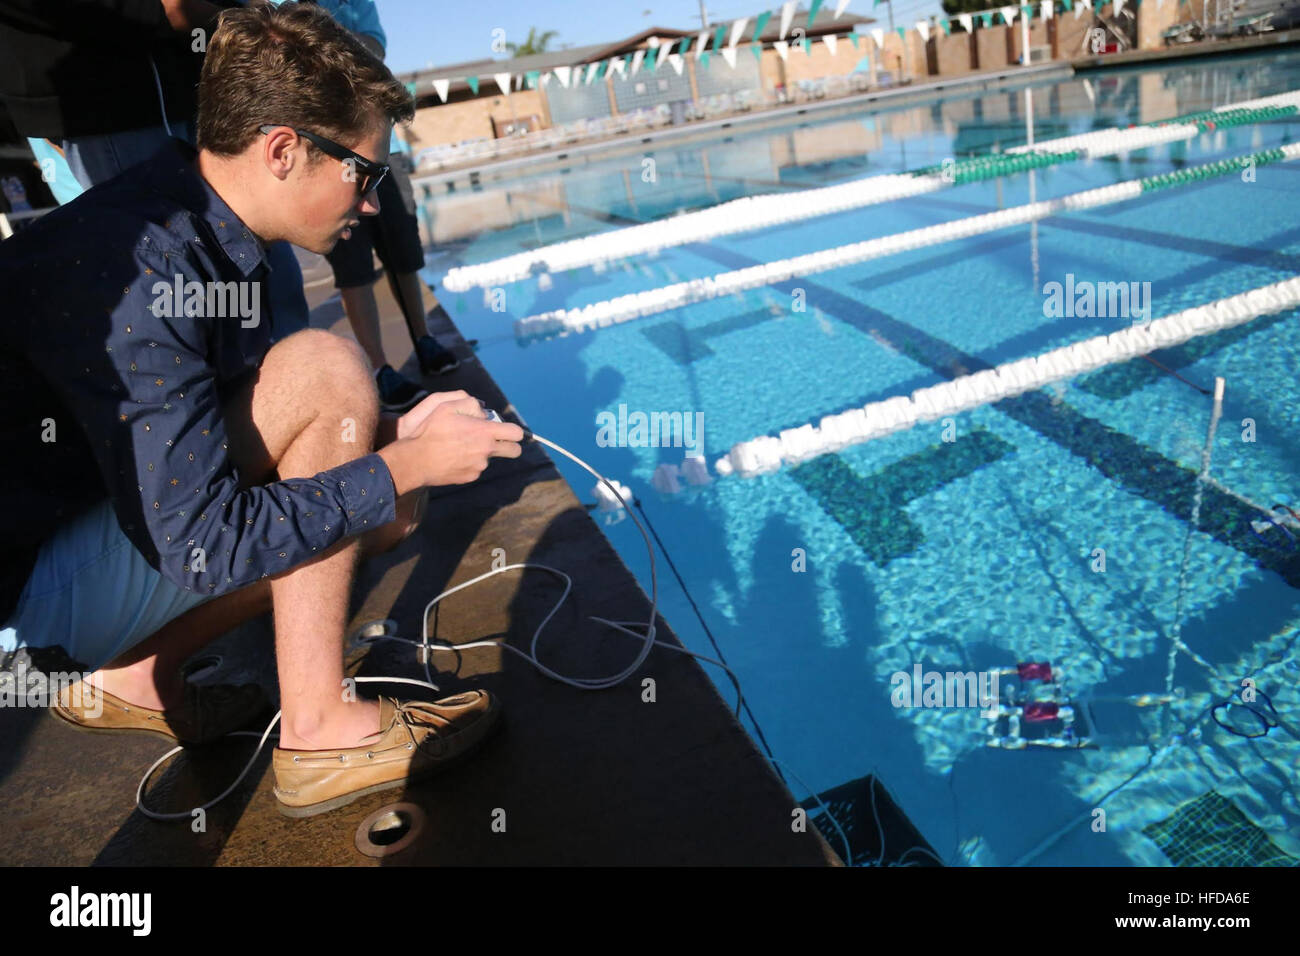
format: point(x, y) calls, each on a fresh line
point(113, 373)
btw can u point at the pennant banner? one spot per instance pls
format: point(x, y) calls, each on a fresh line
point(879, 36)
point(853, 38)
point(923, 28)
point(704, 59)
point(737, 30)
point(839, 8)
point(1008, 15)
point(701, 42)
point(637, 59)
point(947, 27)
point(718, 37)
point(787, 16)
point(729, 54)
point(562, 73)
point(760, 25)
point(473, 83)
point(1046, 8)
point(651, 61)
point(503, 81)
point(676, 62)
point(812, 12)
point(782, 49)
point(829, 40)
point(967, 24)
point(441, 87)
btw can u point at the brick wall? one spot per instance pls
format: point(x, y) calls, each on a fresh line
point(992, 43)
point(470, 119)
point(953, 53)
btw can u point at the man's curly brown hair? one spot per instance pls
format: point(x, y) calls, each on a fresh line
point(291, 65)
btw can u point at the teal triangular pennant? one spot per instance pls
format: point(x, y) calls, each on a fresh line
point(987, 18)
point(473, 83)
point(807, 46)
point(719, 35)
point(704, 58)
point(863, 64)
point(812, 11)
point(686, 45)
point(947, 27)
point(853, 38)
point(651, 60)
point(761, 24)
point(902, 33)
point(531, 77)
point(757, 48)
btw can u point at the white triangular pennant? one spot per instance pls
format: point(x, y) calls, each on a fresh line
point(562, 73)
point(637, 57)
point(1119, 7)
point(1047, 9)
point(839, 8)
point(700, 41)
point(441, 87)
point(923, 28)
point(618, 65)
point(879, 36)
point(729, 54)
point(966, 23)
point(737, 30)
point(829, 40)
point(787, 17)
point(675, 59)
point(503, 81)
point(782, 49)
point(1009, 14)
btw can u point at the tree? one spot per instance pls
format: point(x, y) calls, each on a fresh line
point(533, 45)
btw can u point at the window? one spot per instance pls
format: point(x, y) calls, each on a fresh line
point(639, 89)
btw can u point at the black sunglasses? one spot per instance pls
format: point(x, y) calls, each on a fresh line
point(369, 174)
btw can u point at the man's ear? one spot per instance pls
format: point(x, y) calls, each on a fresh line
point(280, 149)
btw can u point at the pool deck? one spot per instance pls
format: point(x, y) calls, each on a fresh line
point(572, 777)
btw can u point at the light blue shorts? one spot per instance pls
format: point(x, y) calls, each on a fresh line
point(93, 594)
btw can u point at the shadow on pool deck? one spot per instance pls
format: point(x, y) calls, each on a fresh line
point(574, 777)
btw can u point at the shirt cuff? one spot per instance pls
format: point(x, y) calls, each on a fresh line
point(363, 490)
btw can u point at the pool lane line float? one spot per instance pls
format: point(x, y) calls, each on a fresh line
point(768, 453)
point(641, 304)
point(757, 212)
point(1258, 527)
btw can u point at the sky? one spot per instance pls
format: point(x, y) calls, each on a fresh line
point(423, 33)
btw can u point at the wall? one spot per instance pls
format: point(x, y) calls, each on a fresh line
point(470, 119)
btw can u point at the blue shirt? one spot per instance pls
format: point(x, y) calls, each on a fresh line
point(111, 390)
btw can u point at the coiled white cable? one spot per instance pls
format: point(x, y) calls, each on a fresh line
point(426, 646)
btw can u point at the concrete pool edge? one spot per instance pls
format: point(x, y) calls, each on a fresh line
point(605, 778)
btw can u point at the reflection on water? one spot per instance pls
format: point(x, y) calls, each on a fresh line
point(567, 202)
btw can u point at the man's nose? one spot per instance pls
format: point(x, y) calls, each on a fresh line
point(370, 203)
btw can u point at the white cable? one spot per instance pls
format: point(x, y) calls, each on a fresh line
point(426, 646)
point(757, 212)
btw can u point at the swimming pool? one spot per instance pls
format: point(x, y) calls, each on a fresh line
point(974, 544)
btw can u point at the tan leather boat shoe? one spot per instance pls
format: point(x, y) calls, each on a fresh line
point(210, 711)
point(416, 739)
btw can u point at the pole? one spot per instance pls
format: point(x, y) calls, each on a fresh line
point(704, 16)
point(1024, 38)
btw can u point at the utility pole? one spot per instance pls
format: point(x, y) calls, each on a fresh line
point(704, 17)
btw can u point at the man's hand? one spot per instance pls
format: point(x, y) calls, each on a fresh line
point(451, 445)
point(408, 423)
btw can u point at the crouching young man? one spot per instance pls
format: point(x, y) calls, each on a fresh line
point(176, 463)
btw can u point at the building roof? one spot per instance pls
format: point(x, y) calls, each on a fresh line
point(825, 23)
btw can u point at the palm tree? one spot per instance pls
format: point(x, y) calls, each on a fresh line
point(534, 44)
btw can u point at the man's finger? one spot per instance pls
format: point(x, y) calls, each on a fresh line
point(507, 449)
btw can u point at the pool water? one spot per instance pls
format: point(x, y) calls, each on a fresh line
point(975, 544)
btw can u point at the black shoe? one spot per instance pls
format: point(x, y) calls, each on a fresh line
point(434, 359)
point(397, 394)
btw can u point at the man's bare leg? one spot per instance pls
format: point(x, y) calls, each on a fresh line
point(308, 384)
point(363, 316)
point(412, 304)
